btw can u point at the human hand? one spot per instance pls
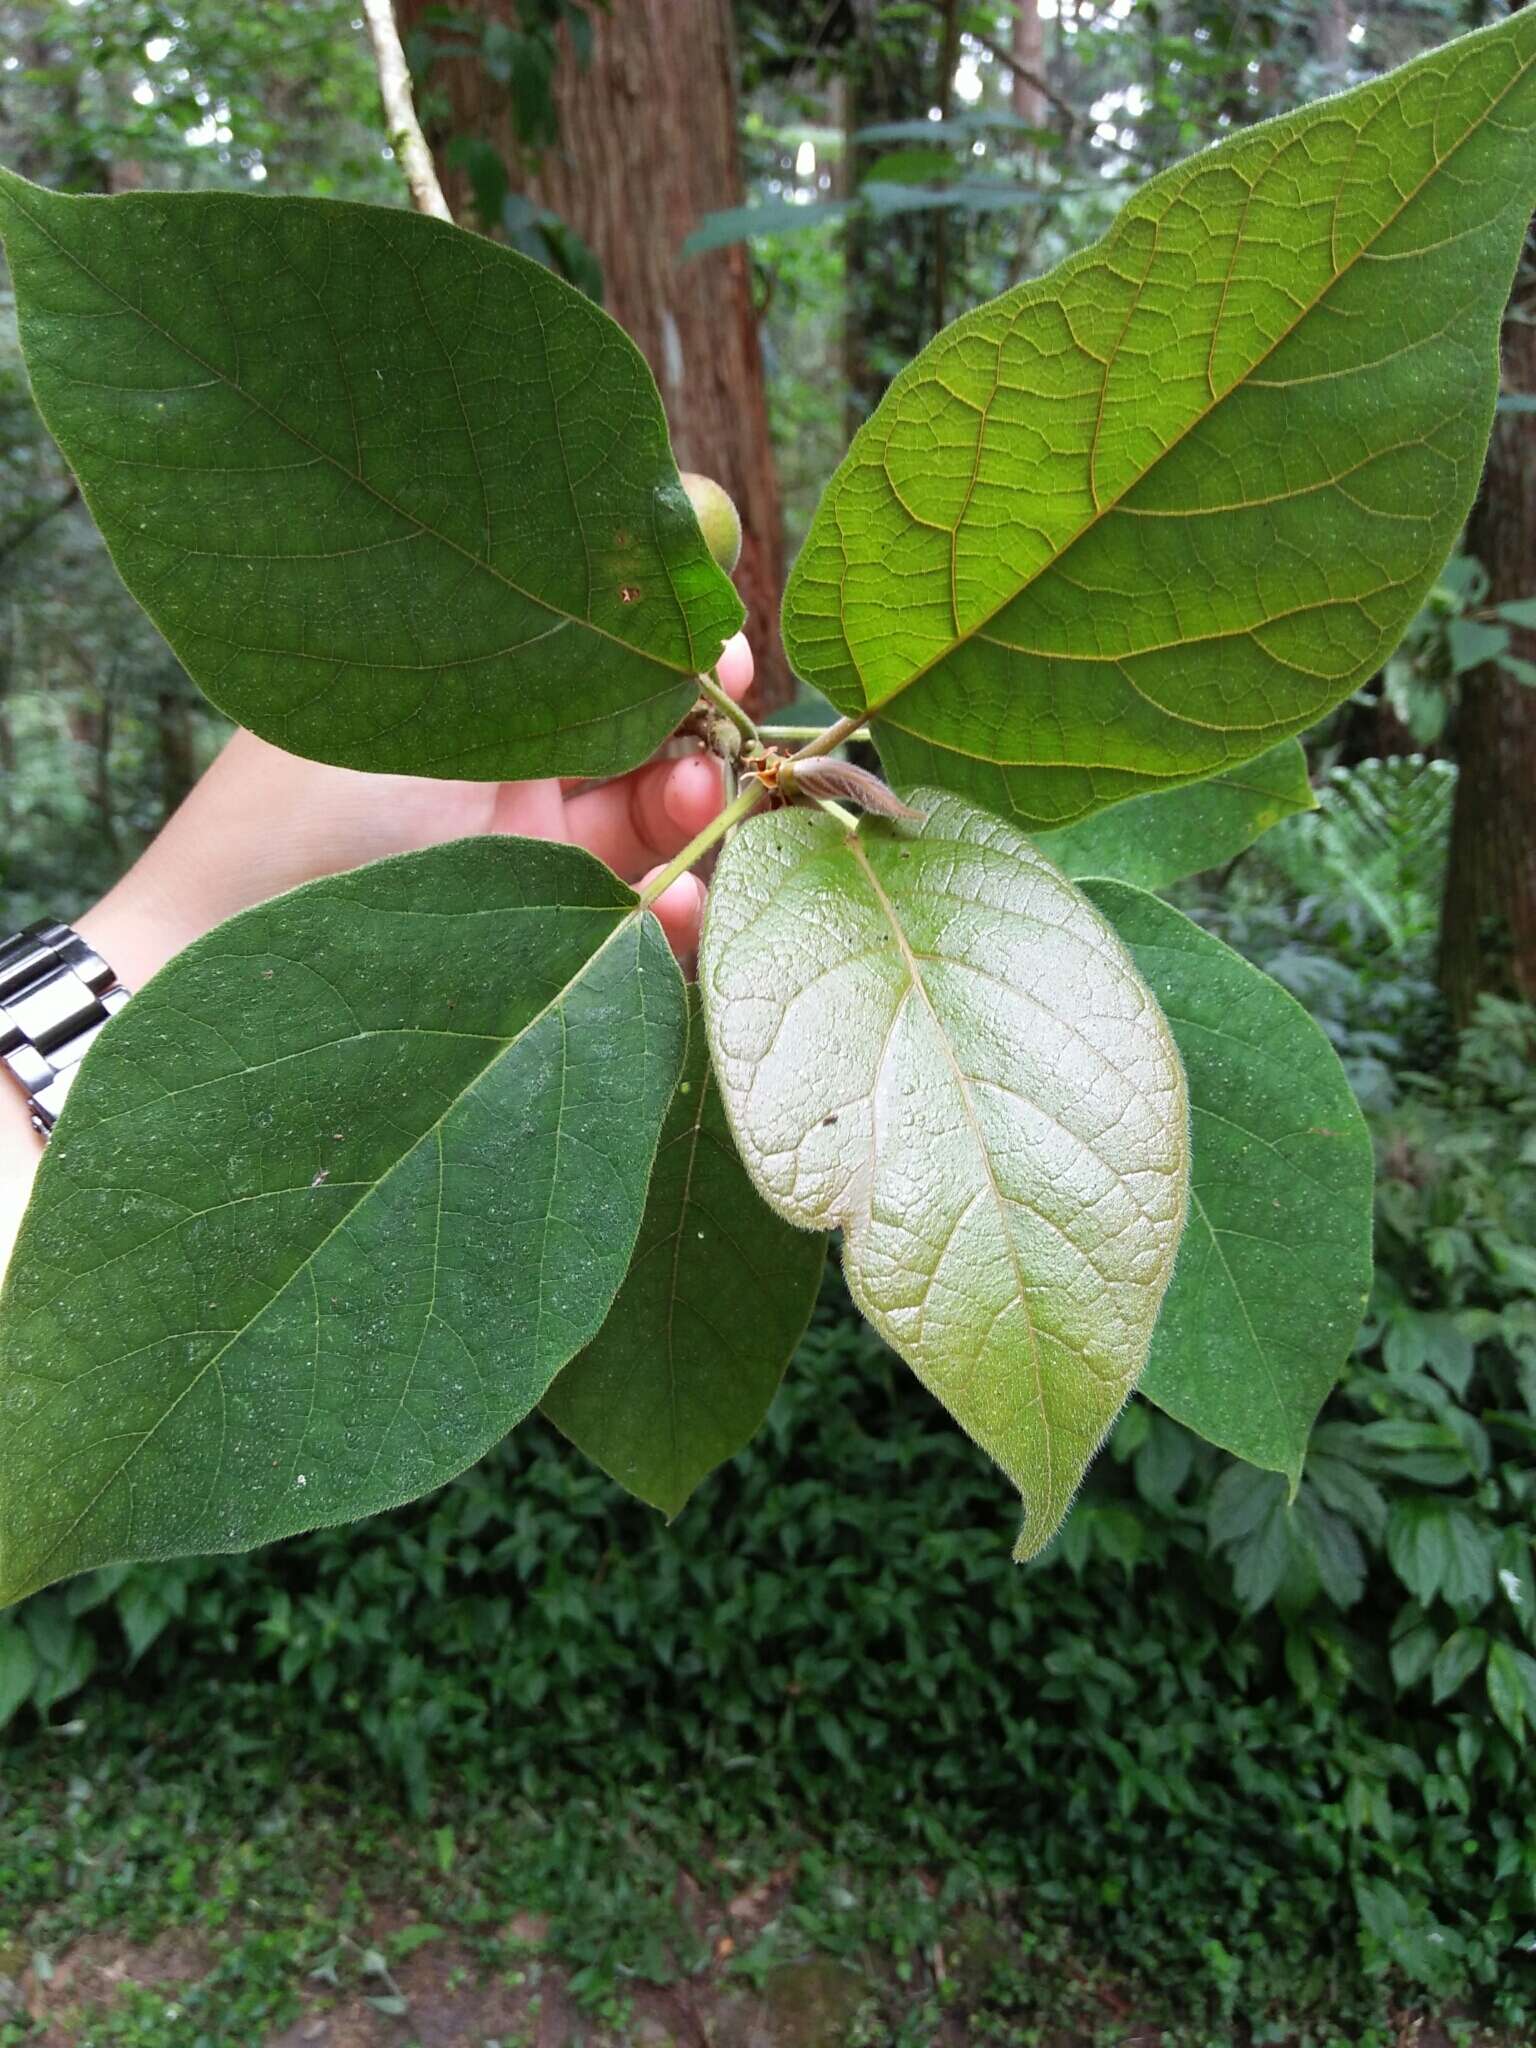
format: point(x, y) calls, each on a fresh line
point(262, 821)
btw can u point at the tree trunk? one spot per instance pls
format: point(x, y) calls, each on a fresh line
point(648, 145)
point(1331, 32)
point(1029, 47)
point(1488, 921)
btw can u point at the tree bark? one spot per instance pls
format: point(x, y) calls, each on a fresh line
point(1029, 50)
point(648, 145)
point(1488, 920)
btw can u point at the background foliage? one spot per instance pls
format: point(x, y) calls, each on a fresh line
point(1276, 1756)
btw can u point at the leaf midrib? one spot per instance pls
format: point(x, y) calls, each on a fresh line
point(695, 1132)
point(1102, 512)
point(324, 454)
point(854, 845)
point(306, 1263)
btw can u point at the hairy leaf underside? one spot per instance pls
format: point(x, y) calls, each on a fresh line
point(925, 1037)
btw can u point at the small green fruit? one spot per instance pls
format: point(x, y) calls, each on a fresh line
point(719, 521)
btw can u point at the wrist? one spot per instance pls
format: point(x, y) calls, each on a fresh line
point(139, 924)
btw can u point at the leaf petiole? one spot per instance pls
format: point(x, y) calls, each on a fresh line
point(831, 736)
point(845, 818)
point(722, 701)
point(805, 732)
point(741, 806)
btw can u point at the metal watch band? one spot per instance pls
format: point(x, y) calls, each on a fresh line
point(55, 995)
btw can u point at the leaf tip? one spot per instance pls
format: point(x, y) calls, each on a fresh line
point(1040, 1526)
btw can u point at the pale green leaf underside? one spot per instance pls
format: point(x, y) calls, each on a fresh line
point(925, 1037)
point(1146, 516)
point(1275, 1264)
point(333, 1200)
point(398, 497)
point(716, 1299)
point(1154, 840)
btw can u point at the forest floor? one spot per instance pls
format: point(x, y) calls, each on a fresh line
point(438, 1992)
point(165, 1914)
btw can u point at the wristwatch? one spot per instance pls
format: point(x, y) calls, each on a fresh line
point(55, 995)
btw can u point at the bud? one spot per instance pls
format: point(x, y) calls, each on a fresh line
point(719, 521)
point(842, 779)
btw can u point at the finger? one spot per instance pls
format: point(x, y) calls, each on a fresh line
point(734, 667)
point(678, 911)
point(644, 817)
point(532, 810)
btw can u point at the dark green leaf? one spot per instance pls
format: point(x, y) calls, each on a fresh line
point(65, 1653)
point(333, 1200)
point(18, 1670)
point(1337, 1556)
point(1261, 1558)
point(397, 497)
point(1141, 518)
point(1154, 840)
point(1512, 1687)
point(927, 1038)
point(1163, 1462)
point(887, 197)
point(741, 223)
point(1276, 1260)
point(1458, 1658)
point(1343, 1487)
point(1413, 1654)
point(1436, 1548)
point(1471, 642)
point(1240, 1502)
point(715, 1301)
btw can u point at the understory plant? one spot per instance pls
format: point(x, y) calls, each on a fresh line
point(372, 1171)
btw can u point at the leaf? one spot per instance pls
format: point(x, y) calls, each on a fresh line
point(742, 223)
point(1275, 1264)
point(332, 1201)
point(1511, 1679)
point(1459, 1656)
point(1240, 1503)
point(1336, 1554)
point(1438, 1549)
point(1154, 840)
point(927, 1038)
point(1163, 1462)
point(887, 197)
point(1470, 642)
point(1261, 1558)
point(915, 165)
point(1140, 519)
point(18, 1670)
point(397, 497)
point(716, 1299)
point(65, 1653)
point(1413, 1654)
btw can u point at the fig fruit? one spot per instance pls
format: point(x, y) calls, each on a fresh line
point(719, 521)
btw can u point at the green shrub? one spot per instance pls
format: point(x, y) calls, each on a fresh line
point(1305, 1728)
